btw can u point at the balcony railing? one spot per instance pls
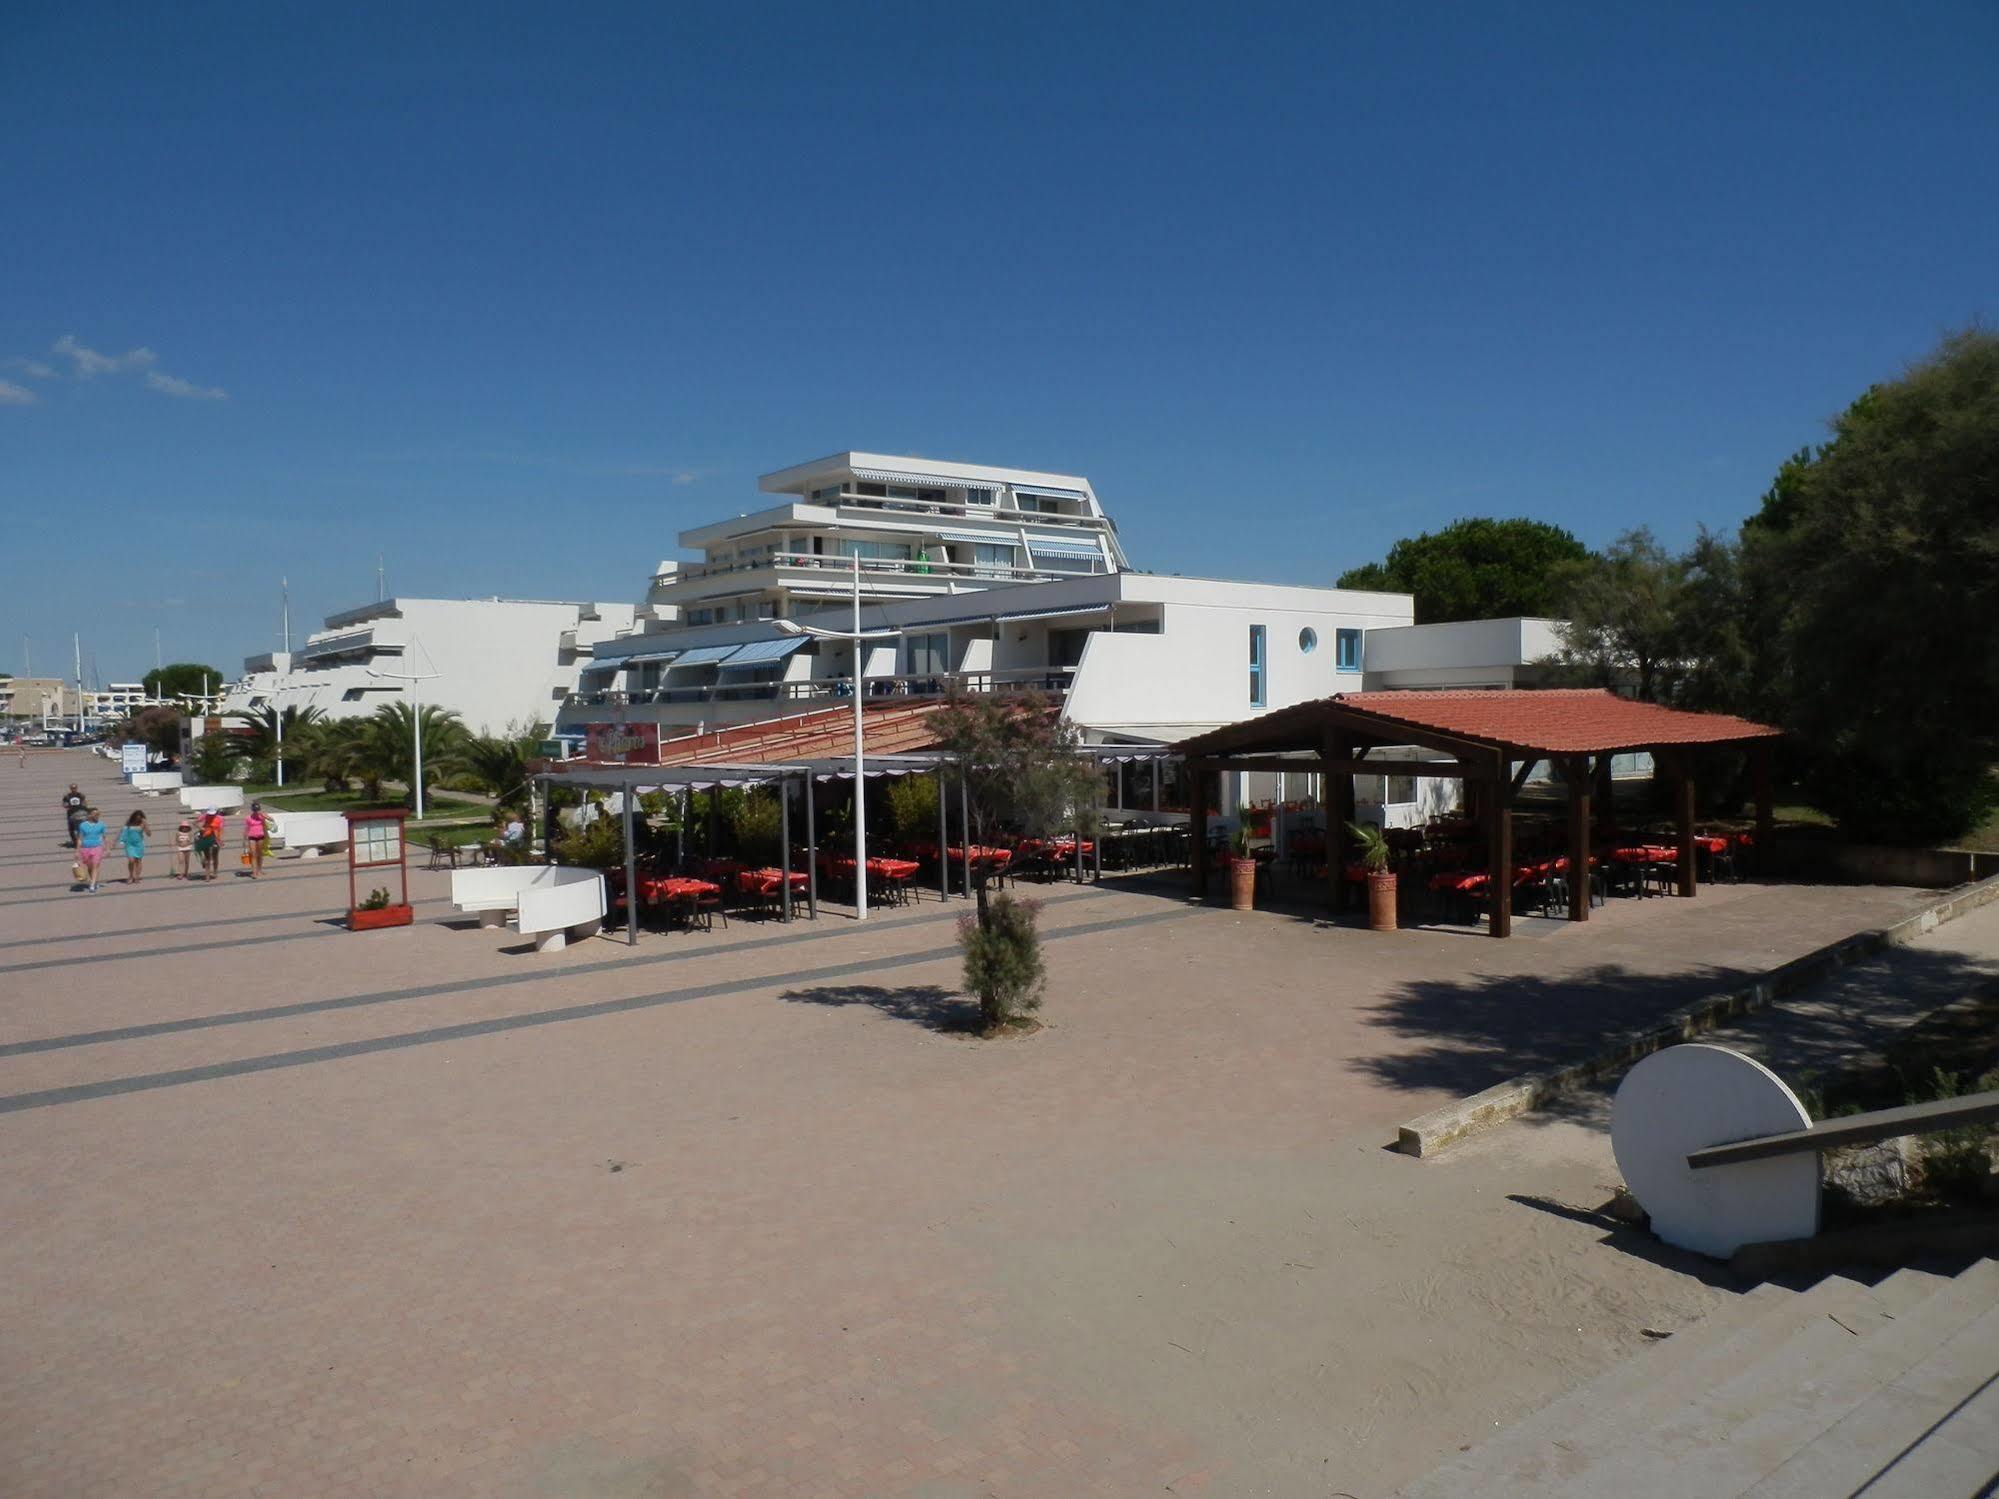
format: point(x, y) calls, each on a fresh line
point(873, 568)
point(1049, 680)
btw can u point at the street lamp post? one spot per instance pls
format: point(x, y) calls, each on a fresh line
point(416, 717)
point(855, 637)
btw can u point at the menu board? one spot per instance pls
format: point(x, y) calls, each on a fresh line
point(378, 842)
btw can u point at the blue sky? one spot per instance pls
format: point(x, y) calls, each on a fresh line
point(514, 293)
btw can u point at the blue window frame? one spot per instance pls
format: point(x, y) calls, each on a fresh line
point(1347, 650)
point(1257, 657)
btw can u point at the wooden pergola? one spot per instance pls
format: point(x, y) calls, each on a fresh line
point(1493, 741)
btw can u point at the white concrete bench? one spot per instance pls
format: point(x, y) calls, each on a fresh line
point(311, 833)
point(154, 782)
point(211, 798)
point(551, 901)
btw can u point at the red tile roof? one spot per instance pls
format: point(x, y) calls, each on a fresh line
point(1555, 721)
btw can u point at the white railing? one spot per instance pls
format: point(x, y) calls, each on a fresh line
point(871, 568)
point(1053, 680)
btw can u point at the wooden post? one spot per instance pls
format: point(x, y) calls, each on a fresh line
point(1759, 760)
point(1342, 813)
point(1577, 772)
point(1683, 802)
point(1197, 818)
point(1499, 839)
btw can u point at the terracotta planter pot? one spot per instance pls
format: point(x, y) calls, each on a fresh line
point(1242, 884)
point(1381, 901)
point(368, 921)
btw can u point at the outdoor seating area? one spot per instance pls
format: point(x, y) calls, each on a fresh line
point(682, 861)
point(1495, 860)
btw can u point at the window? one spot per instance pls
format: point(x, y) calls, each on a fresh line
point(926, 653)
point(992, 561)
point(1347, 650)
point(873, 551)
point(978, 497)
point(1308, 640)
point(1256, 660)
point(876, 491)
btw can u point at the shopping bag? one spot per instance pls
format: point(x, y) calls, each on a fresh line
point(76, 871)
point(244, 858)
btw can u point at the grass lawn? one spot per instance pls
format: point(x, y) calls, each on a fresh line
point(291, 799)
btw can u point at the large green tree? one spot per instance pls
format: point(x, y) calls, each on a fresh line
point(1872, 582)
point(181, 679)
point(1476, 569)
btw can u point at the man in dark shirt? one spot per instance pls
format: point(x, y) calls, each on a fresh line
point(73, 803)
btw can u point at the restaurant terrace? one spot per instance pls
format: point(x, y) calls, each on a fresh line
point(1492, 741)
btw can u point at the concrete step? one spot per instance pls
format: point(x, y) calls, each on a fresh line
point(1934, 1429)
point(1741, 1395)
point(1526, 1457)
point(1728, 1438)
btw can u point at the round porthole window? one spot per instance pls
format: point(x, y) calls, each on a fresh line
point(1308, 640)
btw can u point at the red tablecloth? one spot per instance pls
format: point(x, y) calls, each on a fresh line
point(672, 887)
point(1646, 853)
point(766, 881)
point(881, 869)
point(981, 854)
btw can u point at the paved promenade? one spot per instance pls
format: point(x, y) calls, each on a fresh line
point(292, 1211)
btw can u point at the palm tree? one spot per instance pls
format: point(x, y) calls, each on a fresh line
point(257, 734)
point(338, 752)
point(391, 743)
point(498, 763)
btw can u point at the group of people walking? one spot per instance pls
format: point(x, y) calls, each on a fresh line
point(197, 842)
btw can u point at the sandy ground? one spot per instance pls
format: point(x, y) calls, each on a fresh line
point(297, 1211)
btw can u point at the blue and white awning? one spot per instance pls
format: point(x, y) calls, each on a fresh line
point(1052, 493)
point(1050, 547)
point(763, 652)
point(917, 481)
point(705, 655)
point(978, 538)
point(637, 658)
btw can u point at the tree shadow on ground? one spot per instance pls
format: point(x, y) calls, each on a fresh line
point(1471, 1032)
point(926, 1005)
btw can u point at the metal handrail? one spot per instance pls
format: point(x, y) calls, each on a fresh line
point(1856, 1129)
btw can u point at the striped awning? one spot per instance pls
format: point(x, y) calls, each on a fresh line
point(705, 655)
point(1052, 493)
point(1061, 547)
point(763, 652)
point(919, 481)
point(637, 658)
point(978, 538)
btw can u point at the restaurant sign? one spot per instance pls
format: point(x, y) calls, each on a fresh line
point(623, 743)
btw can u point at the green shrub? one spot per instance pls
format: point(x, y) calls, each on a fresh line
point(1955, 1161)
point(1003, 962)
point(598, 845)
point(912, 807)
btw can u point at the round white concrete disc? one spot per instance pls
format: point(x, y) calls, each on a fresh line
point(1686, 1098)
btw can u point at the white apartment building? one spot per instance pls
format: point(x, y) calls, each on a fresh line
point(116, 701)
point(1133, 657)
point(918, 528)
point(495, 662)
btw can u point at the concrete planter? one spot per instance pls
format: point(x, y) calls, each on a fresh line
point(1242, 884)
point(1381, 900)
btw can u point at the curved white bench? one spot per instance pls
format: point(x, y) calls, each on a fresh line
point(211, 798)
point(309, 832)
point(552, 900)
point(154, 782)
